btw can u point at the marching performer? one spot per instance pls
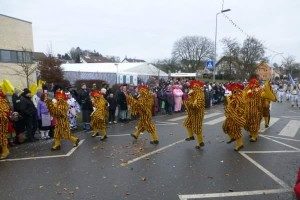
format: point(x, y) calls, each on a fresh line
point(4, 124)
point(99, 115)
point(253, 107)
point(195, 105)
point(59, 110)
point(235, 115)
point(294, 96)
point(267, 95)
point(142, 106)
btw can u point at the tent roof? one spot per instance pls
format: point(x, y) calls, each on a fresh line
point(133, 68)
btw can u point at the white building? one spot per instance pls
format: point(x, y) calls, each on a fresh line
point(112, 73)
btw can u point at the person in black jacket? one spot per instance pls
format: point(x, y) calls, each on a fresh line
point(29, 113)
point(112, 102)
point(19, 122)
point(122, 103)
point(86, 105)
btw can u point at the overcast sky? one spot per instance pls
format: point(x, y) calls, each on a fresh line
point(147, 29)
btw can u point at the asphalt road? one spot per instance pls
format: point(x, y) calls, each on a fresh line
point(121, 168)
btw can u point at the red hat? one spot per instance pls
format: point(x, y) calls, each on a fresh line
point(234, 86)
point(96, 93)
point(143, 87)
point(60, 95)
point(196, 83)
point(253, 81)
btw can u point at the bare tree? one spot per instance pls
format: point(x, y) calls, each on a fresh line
point(192, 52)
point(290, 65)
point(252, 52)
point(244, 58)
point(167, 65)
point(26, 65)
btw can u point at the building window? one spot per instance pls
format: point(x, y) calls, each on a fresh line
point(20, 57)
point(14, 56)
point(131, 79)
point(5, 56)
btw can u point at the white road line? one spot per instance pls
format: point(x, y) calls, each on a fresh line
point(264, 136)
point(262, 152)
point(276, 137)
point(153, 152)
point(74, 148)
point(44, 157)
point(273, 120)
point(205, 116)
point(165, 123)
point(118, 135)
point(291, 129)
point(215, 121)
point(233, 194)
point(272, 176)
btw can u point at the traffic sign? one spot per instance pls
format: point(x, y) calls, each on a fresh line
point(209, 64)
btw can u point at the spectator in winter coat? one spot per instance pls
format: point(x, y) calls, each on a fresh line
point(29, 113)
point(122, 104)
point(112, 105)
point(169, 100)
point(85, 102)
point(18, 119)
point(44, 117)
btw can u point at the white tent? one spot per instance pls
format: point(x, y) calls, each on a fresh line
point(111, 72)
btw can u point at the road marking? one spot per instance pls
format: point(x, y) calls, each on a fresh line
point(152, 152)
point(215, 121)
point(272, 176)
point(205, 116)
point(291, 129)
point(45, 157)
point(165, 123)
point(118, 135)
point(234, 194)
point(284, 151)
point(273, 120)
point(264, 136)
point(290, 117)
point(276, 137)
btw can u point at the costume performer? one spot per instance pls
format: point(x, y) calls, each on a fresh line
point(235, 115)
point(99, 115)
point(253, 107)
point(268, 95)
point(142, 106)
point(4, 124)
point(195, 105)
point(59, 110)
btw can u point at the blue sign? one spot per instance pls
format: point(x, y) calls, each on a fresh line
point(210, 64)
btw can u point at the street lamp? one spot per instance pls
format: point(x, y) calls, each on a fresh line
point(216, 31)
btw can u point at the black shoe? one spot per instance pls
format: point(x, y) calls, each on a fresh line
point(230, 141)
point(77, 142)
point(202, 144)
point(154, 142)
point(132, 135)
point(239, 148)
point(253, 140)
point(266, 126)
point(190, 138)
point(104, 138)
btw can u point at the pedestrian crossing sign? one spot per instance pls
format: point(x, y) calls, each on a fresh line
point(209, 64)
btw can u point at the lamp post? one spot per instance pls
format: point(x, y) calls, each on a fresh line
point(216, 32)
